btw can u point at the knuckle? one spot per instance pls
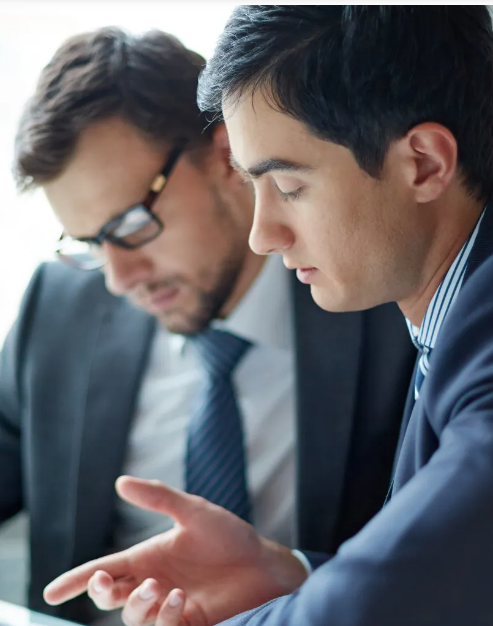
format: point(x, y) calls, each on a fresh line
point(200, 502)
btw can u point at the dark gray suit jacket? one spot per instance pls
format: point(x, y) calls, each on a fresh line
point(70, 373)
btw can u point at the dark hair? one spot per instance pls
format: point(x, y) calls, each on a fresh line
point(363, 76)
point(148, 80)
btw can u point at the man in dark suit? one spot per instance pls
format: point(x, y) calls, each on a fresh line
point(368, 135)
point(92, 385)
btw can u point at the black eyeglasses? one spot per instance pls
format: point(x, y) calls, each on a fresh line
point(131, 229)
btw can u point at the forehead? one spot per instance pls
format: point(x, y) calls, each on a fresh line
point(111, 168)
point(114, 147)
point(257, 131)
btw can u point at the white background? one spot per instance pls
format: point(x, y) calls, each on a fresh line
point(30, 32)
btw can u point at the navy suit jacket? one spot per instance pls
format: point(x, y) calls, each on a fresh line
point(426, 559)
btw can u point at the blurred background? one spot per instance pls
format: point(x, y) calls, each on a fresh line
point(30, 32)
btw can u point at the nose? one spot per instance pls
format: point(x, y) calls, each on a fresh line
point(270, 233)
point(124, 269)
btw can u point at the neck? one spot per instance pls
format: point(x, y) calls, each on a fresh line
point(452, 227)
point(250, 270)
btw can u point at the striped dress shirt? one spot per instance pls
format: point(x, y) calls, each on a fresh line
point(424, 337)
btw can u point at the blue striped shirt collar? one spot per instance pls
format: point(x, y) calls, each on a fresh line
point(424, 338)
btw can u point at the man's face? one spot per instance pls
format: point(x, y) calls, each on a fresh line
point(356, 240)
point(184, 276)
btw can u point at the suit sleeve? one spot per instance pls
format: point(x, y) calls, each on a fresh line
point(11, 358)
point(316, 559)
point(426, 559)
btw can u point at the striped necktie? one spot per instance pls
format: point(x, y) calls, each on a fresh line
point(215, 462)
point(421, 370)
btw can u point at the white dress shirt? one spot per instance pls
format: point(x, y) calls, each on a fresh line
point(265, 386)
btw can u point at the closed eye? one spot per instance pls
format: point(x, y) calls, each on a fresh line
point(291, 195)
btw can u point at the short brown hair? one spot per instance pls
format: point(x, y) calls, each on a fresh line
point(149, 80)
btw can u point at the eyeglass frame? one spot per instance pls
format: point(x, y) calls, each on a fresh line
point(156, 188)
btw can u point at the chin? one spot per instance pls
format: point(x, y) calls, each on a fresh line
point(180, 323)
point(336, 300)
point(176, 324)
point(346, 301)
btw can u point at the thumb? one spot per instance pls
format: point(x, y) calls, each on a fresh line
point(156, 496)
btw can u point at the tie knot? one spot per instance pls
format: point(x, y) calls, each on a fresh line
point(220, 351)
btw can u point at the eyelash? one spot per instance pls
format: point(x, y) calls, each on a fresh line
point(291, 195)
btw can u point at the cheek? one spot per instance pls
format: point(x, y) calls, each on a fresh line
point(194, 238)
point(337, 233)
point(326, 228)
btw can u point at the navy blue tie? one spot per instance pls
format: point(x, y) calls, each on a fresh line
point(421, 370)
point(215, 463)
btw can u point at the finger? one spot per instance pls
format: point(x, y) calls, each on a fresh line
point(171, 612)
point(99, 589)
point(140, 608)
point(74, 582)
point(108, 594)
point(156, 496)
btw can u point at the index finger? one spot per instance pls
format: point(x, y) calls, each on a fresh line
point(75, 581)
point(154, 495)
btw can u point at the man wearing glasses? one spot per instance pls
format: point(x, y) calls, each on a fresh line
point(215, 373)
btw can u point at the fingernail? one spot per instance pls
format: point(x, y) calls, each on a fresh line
point(174, 599)
point(146, 592)
point(96, 587)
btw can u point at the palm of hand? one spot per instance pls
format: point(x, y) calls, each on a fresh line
point(217, 559)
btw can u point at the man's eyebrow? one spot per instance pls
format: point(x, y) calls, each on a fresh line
point(269, 165)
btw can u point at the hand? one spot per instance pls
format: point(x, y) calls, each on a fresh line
point(213, 561)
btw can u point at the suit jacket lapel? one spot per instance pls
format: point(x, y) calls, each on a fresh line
point(119, 359)
point(408, 410)
point(328, 348)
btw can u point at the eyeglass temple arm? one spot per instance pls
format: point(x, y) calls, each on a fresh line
point(165, 172)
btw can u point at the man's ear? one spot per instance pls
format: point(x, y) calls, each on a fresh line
point(431, 160)
point(221, 141)
point(222, 153)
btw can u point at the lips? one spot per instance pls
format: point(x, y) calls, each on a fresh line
point(306, 274)
point(162, 299)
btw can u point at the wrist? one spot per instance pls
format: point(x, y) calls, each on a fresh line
point(285, 569)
